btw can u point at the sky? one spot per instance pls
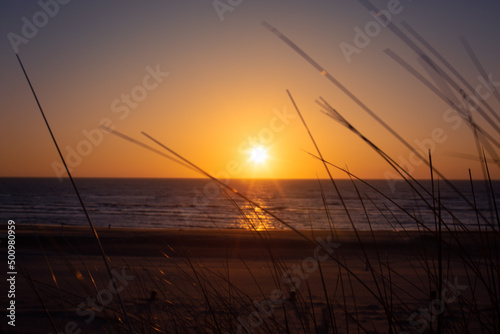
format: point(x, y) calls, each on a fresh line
point(209, 81)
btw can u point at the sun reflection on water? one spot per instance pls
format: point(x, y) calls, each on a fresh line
point(254, 218)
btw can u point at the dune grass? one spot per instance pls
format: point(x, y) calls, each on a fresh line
point(430, 277)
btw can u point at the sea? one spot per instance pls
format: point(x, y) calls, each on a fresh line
point(263, 204)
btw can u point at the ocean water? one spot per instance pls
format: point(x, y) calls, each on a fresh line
point(199, 203)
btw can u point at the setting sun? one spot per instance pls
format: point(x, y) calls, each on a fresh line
point(258, 155)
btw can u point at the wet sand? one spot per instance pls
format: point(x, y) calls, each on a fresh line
point(193, 274)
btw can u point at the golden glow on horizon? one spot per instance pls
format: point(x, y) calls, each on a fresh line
point(218, 119)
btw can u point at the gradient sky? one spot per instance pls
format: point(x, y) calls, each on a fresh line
point(226, 82)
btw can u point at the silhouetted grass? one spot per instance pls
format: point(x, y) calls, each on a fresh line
point(365, 286)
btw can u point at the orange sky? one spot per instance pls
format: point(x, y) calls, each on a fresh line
point(211, 89)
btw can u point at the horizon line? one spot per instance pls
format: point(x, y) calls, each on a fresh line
point(206, 178)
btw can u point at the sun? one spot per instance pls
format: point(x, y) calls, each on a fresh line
point(258, 155)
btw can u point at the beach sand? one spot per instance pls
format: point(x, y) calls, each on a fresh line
point(236, 280)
